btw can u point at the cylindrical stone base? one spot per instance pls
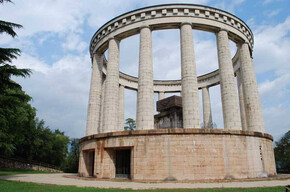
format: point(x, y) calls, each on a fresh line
point(182, 154)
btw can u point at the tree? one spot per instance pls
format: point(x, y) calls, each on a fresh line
point(22, 134)
point(71, 163)
point(130, 124)
point(282, 153)
point(7, 55)
point(12, 98)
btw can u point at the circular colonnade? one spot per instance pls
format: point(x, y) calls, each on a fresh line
point(242, 113)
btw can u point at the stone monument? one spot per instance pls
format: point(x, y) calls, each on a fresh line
point(241, 150)
point(170, 113)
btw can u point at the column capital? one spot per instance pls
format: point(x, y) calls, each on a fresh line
point(221, 29)
point(115, 38)
point(185, 23)
point(243, 42)
point(206, 87)
point(145, 26)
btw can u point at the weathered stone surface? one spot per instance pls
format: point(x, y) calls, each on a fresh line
point(94, 107)
point(255, 121)
point(241, 100)
point(207, 116)
point(17, 164)
point(190, 98)
point(110, 116)
point(169, 102)
point(185, 154)
point(229, 95)
point(145, 95)
point(170, 115)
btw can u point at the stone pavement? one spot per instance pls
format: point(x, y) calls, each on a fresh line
point(59, 179)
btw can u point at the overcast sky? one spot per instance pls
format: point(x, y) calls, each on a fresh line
point(55, 45)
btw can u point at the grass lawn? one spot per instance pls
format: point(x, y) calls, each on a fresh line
point(15, 186)
point(19, 171)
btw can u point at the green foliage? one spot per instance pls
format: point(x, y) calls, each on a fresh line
point(130, 124)
point(7, 55)
point(71, 163)
point(1, 1)
point(16, 186)
point(21, 133)
point(7, 27)
point(15, 114)
point(282, 153)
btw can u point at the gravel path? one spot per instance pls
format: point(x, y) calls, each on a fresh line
point(58, 179)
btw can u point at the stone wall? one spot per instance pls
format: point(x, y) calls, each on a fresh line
point(184, 154)
point(14, 164)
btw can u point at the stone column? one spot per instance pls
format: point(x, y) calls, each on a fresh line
point(161, 95)
point(102, 105)
point(241, 99)
point(94, 107)
point(145, 98)
point(253, 107)
point(207, 116)
point(110, 116)
point(190, 98)
point(229, 97)
point(121, 109)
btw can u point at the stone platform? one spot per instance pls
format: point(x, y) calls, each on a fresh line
point(180, 154)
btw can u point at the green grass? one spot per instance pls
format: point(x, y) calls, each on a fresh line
point(15, 186)
point(19, 171)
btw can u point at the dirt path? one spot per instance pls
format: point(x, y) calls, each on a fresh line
point(58, 179)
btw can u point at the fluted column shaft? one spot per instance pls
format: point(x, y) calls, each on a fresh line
point(94, 107)
point(161, 95)
point(110, 116)
point(241, 99)
point(121, 108)
point(207, 116)
point(253, 107)
point(229, 95)
point(145, 98)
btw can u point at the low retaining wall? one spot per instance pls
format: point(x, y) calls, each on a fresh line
point(18, 164)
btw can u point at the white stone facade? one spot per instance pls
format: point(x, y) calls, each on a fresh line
point(241, 105)
point(241, 150)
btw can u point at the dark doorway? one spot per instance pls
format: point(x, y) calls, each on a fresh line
point(92, 163)
point(123, 162)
